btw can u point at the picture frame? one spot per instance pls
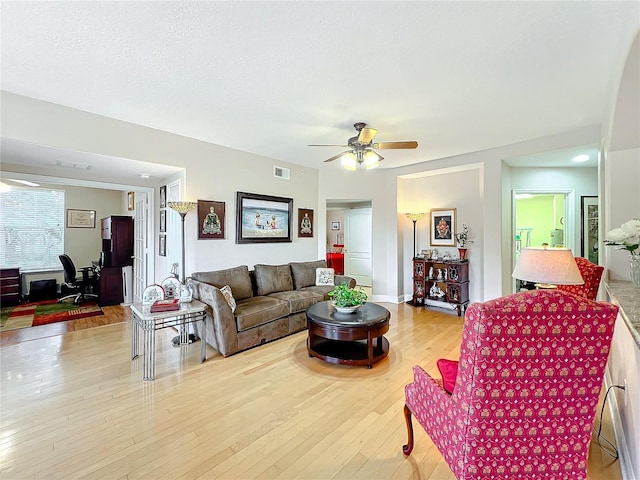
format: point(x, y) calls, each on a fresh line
point(81, 218)
point(162, 246)
point(163, 196)
point(211, 220)
point(163, 221)
point(335, 225)
point(131, 204)
point(442, 231)
point(305, 223)
point(589, 228)
point(263, 218)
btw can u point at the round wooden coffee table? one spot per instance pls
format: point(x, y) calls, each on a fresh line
point(348, 338)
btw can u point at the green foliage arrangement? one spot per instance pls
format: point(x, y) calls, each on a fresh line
point(343, 296)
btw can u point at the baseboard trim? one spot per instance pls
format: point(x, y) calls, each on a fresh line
point(618, 431)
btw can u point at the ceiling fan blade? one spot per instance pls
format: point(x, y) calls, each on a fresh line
point(326, 145)
point(366, 135)
point(395, 145)
point(335, 157)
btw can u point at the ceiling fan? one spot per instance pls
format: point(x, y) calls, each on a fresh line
point(361, 148)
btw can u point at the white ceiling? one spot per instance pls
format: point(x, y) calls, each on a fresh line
point(271, 77)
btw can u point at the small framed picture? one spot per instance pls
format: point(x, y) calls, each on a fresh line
point(443, 227)
point(335, 225)
point(210, 220)
point(162, 246)
point(163, 196)
point(81, 218)
point(163, 221)
point(131, 201)
point(305, 223)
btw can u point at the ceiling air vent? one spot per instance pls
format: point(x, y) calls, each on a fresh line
point(281, 172)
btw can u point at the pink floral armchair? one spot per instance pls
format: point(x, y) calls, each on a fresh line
point(591, 274)
point(529, 376)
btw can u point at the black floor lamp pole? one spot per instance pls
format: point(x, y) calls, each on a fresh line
point(414, 238)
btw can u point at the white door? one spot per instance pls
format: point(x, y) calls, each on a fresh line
point(139, 247)
point(358, 245)
point(174, 228)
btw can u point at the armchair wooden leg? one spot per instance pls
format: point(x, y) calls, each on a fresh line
point(406, 449)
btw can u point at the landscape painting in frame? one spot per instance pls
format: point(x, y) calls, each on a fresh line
point(210, 220)
point(263, 218)
point(443, 227)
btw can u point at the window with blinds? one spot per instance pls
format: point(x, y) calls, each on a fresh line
point(31, 228)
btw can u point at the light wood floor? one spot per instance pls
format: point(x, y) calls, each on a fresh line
point(74, 406)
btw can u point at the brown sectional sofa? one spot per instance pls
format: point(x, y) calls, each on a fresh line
point(271, 301)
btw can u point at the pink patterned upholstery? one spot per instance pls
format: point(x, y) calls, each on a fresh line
point(591, 274)
point(530, 373)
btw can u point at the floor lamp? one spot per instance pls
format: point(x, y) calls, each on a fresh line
point(182, 208)
point(414, 217)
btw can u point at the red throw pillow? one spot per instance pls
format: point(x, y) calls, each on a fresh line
point(449, 371)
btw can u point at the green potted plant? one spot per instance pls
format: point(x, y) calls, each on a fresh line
point(345, 299)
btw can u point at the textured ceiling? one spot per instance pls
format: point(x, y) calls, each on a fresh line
point(272, 77)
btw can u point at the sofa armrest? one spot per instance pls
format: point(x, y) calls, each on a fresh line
point(221, 332)
point(350, 281)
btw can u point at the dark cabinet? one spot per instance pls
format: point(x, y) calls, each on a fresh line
point(110, 286)
point(441, 280)
point(117, 240)
point(9, 286)
point(117, 252)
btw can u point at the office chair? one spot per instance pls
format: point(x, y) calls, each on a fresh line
point(80, 285)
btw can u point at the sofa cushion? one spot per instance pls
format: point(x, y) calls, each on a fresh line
point(228, 296)
point(273, 278)
point(299, 300)
point(322, 290)
point(304, 273)
point(237, 278)
point(324, 276)
point(255, 311)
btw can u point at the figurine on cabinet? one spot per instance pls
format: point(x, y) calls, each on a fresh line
point(435, 291)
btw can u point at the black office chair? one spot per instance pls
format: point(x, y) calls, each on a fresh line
point(81, 286)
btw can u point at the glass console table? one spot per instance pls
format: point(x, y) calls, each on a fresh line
point(148, 322)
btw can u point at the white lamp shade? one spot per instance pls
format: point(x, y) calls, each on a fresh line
point(555, 266)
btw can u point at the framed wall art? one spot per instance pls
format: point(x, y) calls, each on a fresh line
point(131, 205)
point(210, 219)
point(163, 196)
point(443, 227)
point(263, 218)
point(81, 218)
point(589, 228)
point(162, 246)
point(163, 221)
point(305, 223)
point(335, 225)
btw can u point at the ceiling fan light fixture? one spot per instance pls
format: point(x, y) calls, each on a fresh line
point(348, 161)
point(371, 160)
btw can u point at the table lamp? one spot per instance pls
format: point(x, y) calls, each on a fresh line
point(551, 266)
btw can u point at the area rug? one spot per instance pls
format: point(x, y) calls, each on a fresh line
point(45, 312)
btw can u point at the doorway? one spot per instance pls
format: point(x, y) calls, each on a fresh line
point(349, 227)
point(540, 218)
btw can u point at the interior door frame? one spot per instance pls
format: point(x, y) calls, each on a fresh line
point(569, 219)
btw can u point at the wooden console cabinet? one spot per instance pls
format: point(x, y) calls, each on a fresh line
point(441, 280)
point(110, 286)
point(9, 286)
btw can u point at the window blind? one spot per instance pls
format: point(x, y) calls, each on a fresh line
point(31, 228)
